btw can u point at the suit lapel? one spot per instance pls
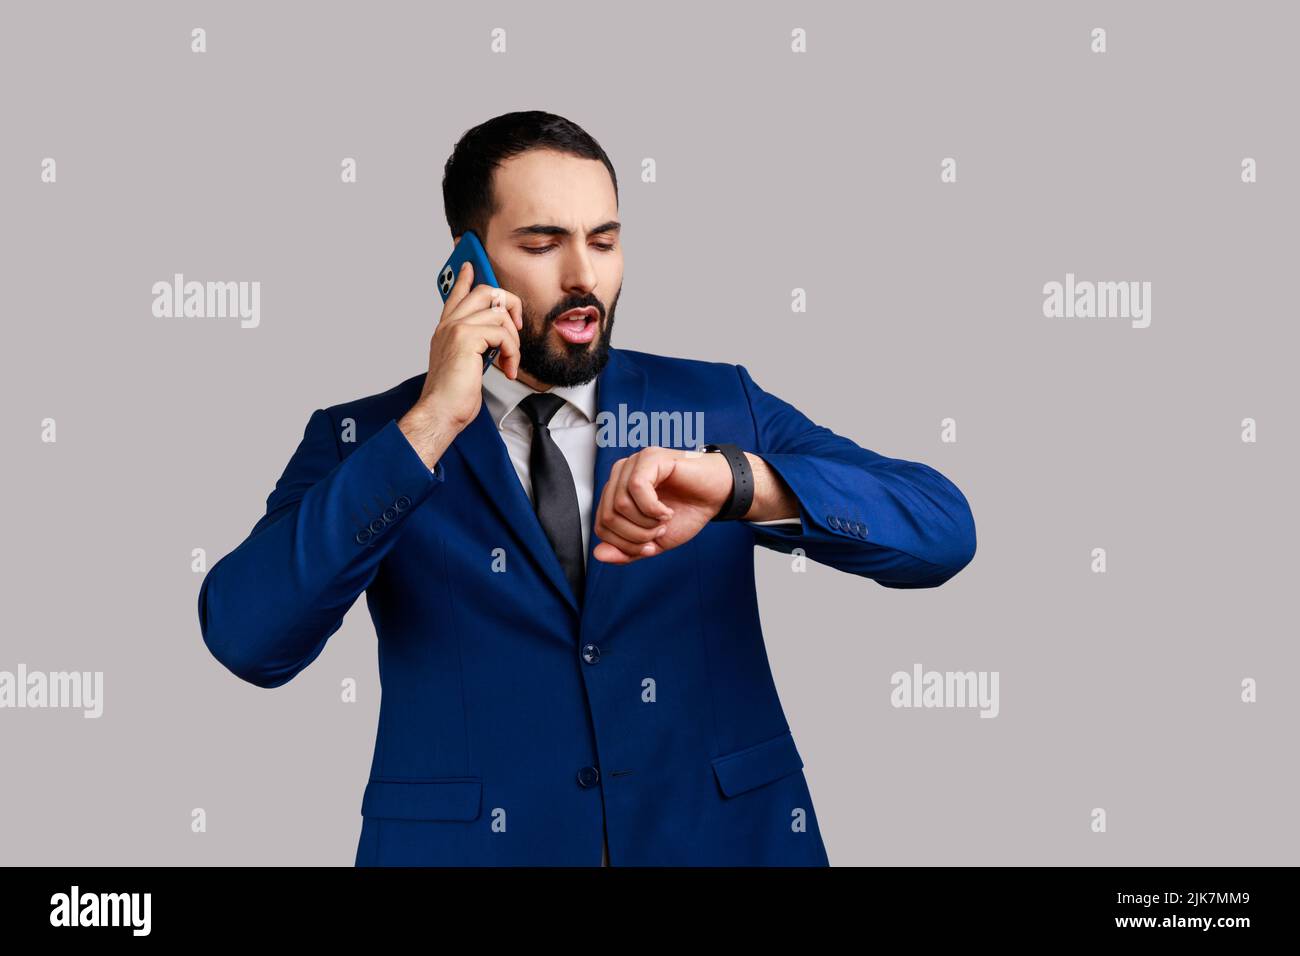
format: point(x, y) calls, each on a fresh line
point(621, 383)
point(484, 453)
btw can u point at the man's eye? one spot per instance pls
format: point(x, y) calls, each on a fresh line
point(542, 250)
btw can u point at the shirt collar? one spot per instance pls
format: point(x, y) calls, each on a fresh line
point(502, 394)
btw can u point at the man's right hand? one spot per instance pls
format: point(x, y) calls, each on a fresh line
point(474, 319)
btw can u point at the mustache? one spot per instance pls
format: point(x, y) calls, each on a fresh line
point(569, 307)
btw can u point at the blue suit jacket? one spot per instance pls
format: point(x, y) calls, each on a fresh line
point(513, 725)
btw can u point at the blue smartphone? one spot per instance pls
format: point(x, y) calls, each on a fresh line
point(469, 248)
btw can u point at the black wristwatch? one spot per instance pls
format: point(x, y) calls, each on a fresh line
point(742, 482)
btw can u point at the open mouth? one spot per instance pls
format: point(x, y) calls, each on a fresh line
point(578, 326)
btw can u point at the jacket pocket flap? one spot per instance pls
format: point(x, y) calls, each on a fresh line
point(754, 766)
point(440, 798)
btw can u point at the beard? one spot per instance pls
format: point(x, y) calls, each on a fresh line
point(550, 359)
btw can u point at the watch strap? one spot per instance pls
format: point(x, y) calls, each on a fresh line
point(741, 498)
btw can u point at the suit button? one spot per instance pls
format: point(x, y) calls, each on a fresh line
point(363, 536)
point(402, 503)
point(390, 514)
point(833, 521)
point(588, 776)
point(376, 526)
point(590, 653)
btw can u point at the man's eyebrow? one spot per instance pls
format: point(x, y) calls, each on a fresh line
point(540, 229)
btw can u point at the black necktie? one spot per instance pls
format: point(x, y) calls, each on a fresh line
point(555, 498)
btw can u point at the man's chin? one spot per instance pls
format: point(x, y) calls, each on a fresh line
point(551, 359)
point(570, 363)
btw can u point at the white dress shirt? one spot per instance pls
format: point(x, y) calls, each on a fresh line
point(573, 428)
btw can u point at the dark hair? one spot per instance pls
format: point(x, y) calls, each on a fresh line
point(467, 178)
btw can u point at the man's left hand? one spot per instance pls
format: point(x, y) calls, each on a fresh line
point(657, 499)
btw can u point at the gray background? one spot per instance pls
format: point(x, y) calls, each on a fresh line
point(775, 170)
